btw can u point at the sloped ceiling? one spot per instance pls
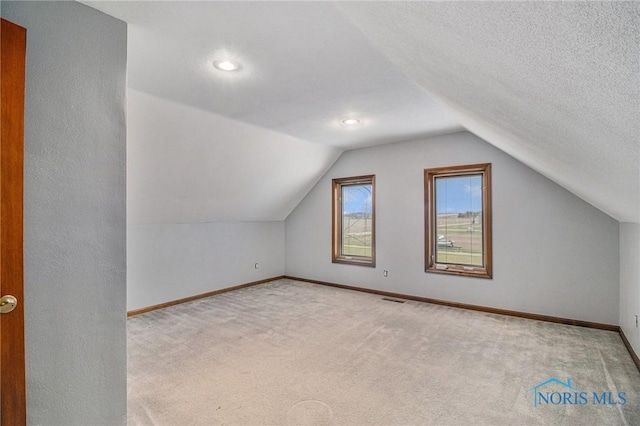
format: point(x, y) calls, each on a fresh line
point(553, 84)
point(253, 143)
point(186, 165)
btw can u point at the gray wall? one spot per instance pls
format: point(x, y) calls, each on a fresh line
point(75, 215)
point(172, 261)
point(630, 282)
point(554, 254)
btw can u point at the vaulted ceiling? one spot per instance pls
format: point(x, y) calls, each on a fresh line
point(554, 84)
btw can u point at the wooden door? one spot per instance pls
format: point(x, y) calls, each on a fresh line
point(12, 365)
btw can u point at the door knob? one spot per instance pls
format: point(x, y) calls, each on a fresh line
point(7, 304)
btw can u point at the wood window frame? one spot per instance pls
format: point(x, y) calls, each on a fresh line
point(486, 271)
point(336, 222)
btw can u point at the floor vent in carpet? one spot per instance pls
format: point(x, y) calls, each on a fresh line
point(393, 300)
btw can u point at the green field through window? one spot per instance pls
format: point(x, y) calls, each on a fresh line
point(357, 223)
point(459, 233)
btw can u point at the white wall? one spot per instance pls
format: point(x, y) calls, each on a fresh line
point(171, 261)
point(554, 254)
point(630, 282)
point(206, 199)
point(75, 214)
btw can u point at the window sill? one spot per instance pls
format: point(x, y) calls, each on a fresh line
point(354, 260)
point(460, 271)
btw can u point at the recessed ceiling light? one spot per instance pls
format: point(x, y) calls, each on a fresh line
point(227, 65)
point(350, 121)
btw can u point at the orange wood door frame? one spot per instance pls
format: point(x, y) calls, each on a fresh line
point(12, 359)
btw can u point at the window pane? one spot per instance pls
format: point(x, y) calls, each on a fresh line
point(357, 223)
point(353, 223)
point(459, 210)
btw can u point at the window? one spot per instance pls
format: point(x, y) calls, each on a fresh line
point(458, 220)
point(354, 222)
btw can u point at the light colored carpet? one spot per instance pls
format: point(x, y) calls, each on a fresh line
point(288, 352)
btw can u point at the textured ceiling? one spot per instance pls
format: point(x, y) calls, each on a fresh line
point(554, 84)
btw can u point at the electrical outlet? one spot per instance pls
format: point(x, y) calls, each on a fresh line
point(385, 273)
point(257, 266)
